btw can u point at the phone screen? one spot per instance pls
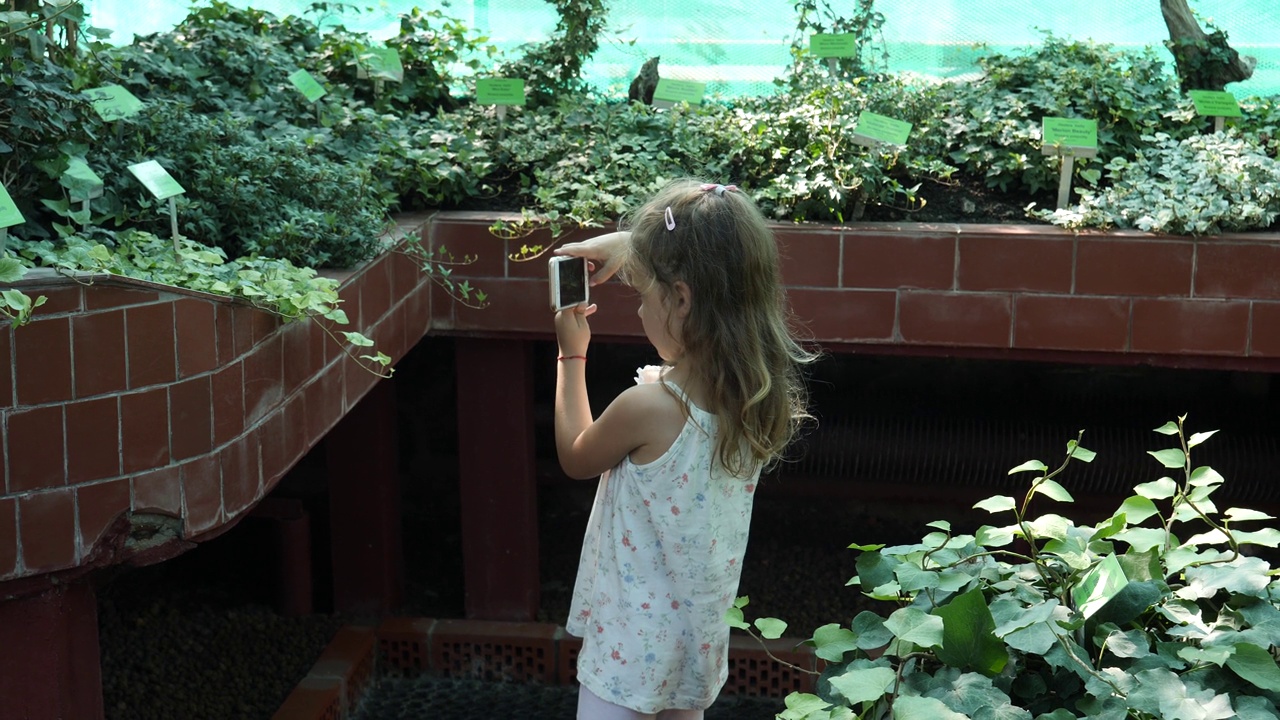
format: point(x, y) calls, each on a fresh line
point(573, 281)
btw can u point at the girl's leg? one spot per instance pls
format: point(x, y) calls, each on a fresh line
point(680, 715)
point(592, 707)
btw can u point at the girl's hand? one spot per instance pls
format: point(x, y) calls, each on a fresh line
point(608, 249)
point(573, 332)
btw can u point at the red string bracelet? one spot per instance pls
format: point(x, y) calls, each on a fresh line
point(562, 358)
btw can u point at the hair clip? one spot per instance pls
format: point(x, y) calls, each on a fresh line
point(719, 189)
point(670, 218)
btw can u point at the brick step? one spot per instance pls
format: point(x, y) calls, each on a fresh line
point(503, 652)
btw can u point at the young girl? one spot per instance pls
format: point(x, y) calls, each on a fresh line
point(678, 455)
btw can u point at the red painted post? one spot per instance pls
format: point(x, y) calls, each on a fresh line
point(289, 526)
point(49, 656)
point(499, 491)
point(364, 505)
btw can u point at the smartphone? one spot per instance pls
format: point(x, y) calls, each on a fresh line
point(568, 277)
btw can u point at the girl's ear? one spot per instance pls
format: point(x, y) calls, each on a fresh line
point(683, 299)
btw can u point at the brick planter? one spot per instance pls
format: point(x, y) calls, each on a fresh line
point(140, 418)
point(1012, 291)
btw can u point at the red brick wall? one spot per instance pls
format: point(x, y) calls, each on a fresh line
point(128, 397)
point(124, 397)
point(1034, 292)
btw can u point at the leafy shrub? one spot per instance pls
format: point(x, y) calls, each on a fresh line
point(433, 48)
point(798, 145)
point(1155, 612)
point(43, 121)
point(994, 126)
point(218, 59)
point(1201, 184)
point(274, 197)
point(552, 69)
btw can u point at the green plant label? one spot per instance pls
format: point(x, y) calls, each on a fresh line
point(1070, 135)
point(381, 63)
point(157, 179)
point(842, 45)
point(883, 129)
point(113, 102)
point(9, 213)
point(307, 85)
point(1215, 104)
point(500, 91)
point(678, 91)
point(81, 181)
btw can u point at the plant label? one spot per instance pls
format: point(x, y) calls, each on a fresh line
point(500, 91)
point(380, 64)
point(833, 46)
point(876, 129)
point(113, 102)
point(1215, 104)
point(81, 181)
point(156, 179)
point(1069, 136)
point(306, 84)
point(9, 213)
point(670, 92)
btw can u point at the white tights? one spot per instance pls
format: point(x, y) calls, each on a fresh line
point(591, 707)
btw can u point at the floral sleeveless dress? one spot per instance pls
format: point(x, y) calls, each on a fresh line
point(660, 566)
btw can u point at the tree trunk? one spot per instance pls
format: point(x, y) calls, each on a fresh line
point(1204, 61)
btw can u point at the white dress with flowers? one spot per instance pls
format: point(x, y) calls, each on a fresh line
point(660, 566)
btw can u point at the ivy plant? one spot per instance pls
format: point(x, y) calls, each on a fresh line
point(994, 129)
point(271, 285)
point(1162, 610)
point(1199, 185)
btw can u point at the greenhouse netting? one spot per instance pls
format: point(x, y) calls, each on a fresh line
point(740, 46)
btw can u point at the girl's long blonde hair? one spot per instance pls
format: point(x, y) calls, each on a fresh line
point(737, 337)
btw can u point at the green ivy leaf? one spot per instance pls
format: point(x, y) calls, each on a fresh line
point(803, 706)
point(1053, 490)
point(357, 339)
point(1255, 665)
point(1157, 489)
point(733, 616)
point(1078, 453)
point(1172, 458)
point(968, 637)
point(770, 628)
point(996, 503)
point(1197, 438)
point(1205, 476)
point(988, 536)
point(11, 271)
point(915, 626)
point(1136, 508)
point(1030, 466)
point(1169, 428)
point(1245, 515)
point(860, 685)
point(908, 707)
point(870, 629)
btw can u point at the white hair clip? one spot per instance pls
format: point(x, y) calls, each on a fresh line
point(670, 218)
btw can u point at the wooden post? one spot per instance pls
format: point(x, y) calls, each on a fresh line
point(499, 491)
point(1064, 181)
point(361, 455)
point(51, 663)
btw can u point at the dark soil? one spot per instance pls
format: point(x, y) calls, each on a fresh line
point(942, 202)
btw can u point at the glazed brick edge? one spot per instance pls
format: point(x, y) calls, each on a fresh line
point(1032, 292)
point(139, 418)
point(536, 653)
